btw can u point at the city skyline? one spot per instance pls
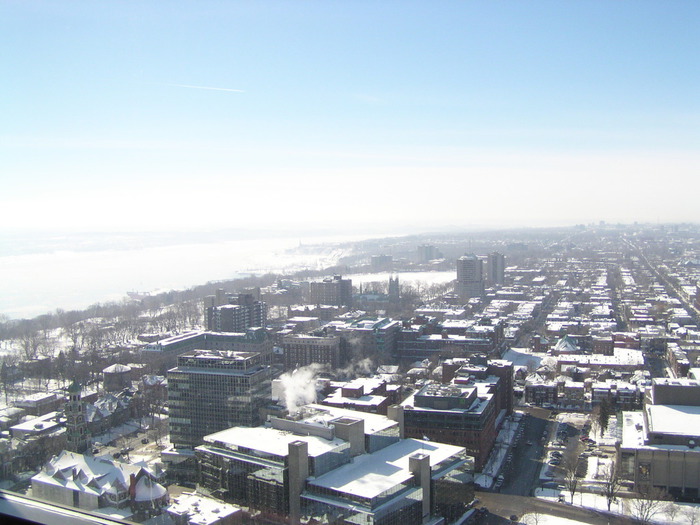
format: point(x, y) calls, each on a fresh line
point(171, 116)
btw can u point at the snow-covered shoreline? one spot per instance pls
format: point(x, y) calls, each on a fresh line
point(34, 284)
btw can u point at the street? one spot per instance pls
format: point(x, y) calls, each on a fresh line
point(521, 477)
point(502, 506)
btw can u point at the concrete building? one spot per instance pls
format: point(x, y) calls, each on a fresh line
point(241, 313)
point(427, 253)
point(659, 446)
point(419, 342)
point(332, 291)
point(320, 466)
point(470, 277)
point(367, 336)
point(366, 394)
point(44, 425)
point(462, 415)
point(496, 268)
point(40, 403)
point(211, 390)
point(302, 350)
point(411, 481)
point(381, 263)
point(167, 350)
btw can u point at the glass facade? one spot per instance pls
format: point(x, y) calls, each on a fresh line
point(211, 391)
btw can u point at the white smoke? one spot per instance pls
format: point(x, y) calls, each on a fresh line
point(360, 368)
point(300, 386)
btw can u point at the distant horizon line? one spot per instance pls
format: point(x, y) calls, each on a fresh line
point(277, 232)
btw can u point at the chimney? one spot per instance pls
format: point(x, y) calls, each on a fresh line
point(132, 487)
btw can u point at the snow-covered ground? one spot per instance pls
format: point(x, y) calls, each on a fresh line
point(116, 433)
point(669, 512)
point(524, 357)
point(611, 434)
point(546, 519)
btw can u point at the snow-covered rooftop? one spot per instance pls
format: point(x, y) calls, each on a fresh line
point(620, 357)
point(96, 476)
point(674, 419)
point(270, 440)
point(369, 475)
point(201, 510)
point(373, 422)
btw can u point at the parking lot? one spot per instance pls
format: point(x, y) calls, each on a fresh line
point(573, 446)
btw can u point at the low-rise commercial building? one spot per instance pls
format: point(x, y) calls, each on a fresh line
point(659, 446)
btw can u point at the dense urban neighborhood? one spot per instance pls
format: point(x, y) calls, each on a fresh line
point(533, 376)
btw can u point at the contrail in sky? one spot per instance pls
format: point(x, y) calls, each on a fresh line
point(206, 87)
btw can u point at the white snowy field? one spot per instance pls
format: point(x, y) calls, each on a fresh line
point(524, 357)
point(546, 519)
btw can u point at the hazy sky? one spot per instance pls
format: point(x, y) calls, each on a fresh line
point(158, 115)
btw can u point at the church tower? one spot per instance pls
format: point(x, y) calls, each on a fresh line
point(77, 436)
point(394, 290)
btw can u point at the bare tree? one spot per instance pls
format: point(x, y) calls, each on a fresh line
point(692, 515)
point(5, 327)
point(611, 483)
point(534, 518)
point(43, 323)
point(159, 430)
point(647, 505)
point(571, 480)
point(47, 372)
point(73, 331)
point(30, 340)
point(671, 510)
point(7, 375)
point(47, 348)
